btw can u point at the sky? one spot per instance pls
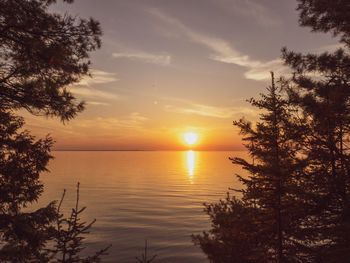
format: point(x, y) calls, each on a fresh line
point(167, 67)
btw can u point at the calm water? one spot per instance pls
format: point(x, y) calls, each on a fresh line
point(135, 196)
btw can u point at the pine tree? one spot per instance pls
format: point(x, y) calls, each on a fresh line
point(272, 201)
point(326, 16)
point(145, 258)
point(321, 90)
point(325, 102)
point(273, 184)
point(300, 174)
point(70, 234)
point(23, 235)
point(41, 54)
point(235, 235)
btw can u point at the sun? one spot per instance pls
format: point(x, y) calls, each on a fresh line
point(190, 138)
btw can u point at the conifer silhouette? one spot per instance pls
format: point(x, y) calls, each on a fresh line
point(41, 54)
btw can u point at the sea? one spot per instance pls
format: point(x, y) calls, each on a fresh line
point(142, 196)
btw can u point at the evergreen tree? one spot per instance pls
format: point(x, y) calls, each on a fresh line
point(23, 235)
point(273, 184)
point(145, 258)
point(326, 16)
point(325, 102)
point(68, 238)
point(321, 90)
point(235, 235)
point(299, 180)
point(41, 54)
point(272, 201)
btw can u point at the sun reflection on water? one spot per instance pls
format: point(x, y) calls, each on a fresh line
point(190, 163)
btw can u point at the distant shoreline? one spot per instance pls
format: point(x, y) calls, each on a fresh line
point(77, 150)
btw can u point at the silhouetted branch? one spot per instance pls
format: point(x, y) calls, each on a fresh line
point(69, 236)
point(144, 257)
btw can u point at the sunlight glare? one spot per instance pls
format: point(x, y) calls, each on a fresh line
point(190, 138)
point(190, 163)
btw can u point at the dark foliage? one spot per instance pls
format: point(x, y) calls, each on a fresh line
point(325, 103)
point(42, 53)
point(326, 16)
point(235, 233)
point(23, 235)
point(70, 234)
point(300, 175)
point(275, 176)
point(145, 257)
point(271, 230)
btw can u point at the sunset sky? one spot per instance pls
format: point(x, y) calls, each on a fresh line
point(169, 67)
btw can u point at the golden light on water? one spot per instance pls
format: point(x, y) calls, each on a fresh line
point(190, 163)
point(190, 138)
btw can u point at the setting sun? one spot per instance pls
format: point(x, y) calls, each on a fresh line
point(190, 138)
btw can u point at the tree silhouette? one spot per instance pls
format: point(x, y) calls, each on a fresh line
point(234, 237)
point(145, 257)
point(68, 238)
point(271, 197)
point(300, 178)
point(324, 101)
point(326, 16)
point(320, 88)
point(273, 182)
point(22, 159)
point(41, 54)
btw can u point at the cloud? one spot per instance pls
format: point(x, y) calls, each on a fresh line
point(210, 111)
point(262, 71)
point(97, 103)
point(213, 43)
point(133, 121)
point(249, 9)
point(85, 88)
point(330, 48)
point(223, 51)
point(93, 93)
point(98, 77)
point(145, 57)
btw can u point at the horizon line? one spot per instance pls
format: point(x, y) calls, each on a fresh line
point(138, 150)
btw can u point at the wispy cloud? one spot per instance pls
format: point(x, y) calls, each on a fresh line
point(211, 111)
point(86, 87)
point(262, 70)
point(98, 77)
point(224, 51)
point(98, 103)
point(330, 48)
point(133, 121)
point(250, 9)
point(162, 59)
point(93, 93)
